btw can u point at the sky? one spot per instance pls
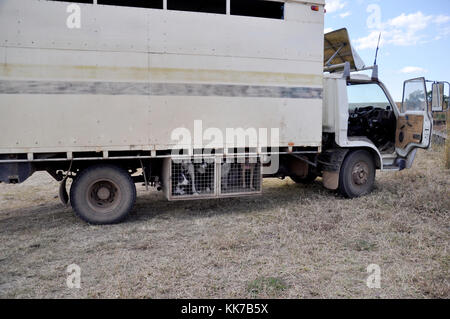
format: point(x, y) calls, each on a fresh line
point(415, 37)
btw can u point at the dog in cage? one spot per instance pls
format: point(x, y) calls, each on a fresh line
point(204, 176)
point(186, 179)
point(248, 166)
point(195, 178)
point(225, 174)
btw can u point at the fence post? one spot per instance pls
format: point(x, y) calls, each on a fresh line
point(447, 140)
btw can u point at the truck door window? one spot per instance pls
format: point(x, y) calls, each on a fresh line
point(371, 116)
point(364, 95)
point(414, 97)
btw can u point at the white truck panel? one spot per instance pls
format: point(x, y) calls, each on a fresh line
point(2, 55)
point(330, 90)
point(237, 113)
point(77, 121)
point(42, 24)
point(276, 39)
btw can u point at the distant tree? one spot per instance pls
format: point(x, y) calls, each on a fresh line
point(415, 101)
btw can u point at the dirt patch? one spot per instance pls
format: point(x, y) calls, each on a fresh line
point(293, 242)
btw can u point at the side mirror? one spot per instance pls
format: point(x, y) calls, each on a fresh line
point(438, 97)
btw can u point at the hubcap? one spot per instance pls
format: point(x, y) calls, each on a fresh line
point(103, 196)
point(103, 193)
point(360, 173)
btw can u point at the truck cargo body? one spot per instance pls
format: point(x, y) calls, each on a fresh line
point(129, 76)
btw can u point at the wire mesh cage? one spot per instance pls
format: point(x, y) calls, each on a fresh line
point(192, 178)
point(240, 176)
point(213, 177)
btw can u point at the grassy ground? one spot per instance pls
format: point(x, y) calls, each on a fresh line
point(293, 242)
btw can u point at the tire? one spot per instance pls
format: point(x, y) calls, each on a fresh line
point(103, 194)
point(357, 176)
point(305, 180)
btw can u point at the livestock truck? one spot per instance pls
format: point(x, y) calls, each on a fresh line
point(200, 99)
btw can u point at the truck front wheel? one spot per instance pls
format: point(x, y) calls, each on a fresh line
point(357, 175)
point(103, 194)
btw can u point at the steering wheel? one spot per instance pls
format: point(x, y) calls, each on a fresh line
point(366, 111)
point(362, 112)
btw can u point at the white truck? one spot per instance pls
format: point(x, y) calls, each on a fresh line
point(108, 92)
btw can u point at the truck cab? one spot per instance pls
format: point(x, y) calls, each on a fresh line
point(360, 113)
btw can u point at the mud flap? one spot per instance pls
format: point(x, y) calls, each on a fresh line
point(331, 180)
point(63, 195)
point(331, 162)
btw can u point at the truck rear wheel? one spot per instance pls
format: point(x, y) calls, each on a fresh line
point(357, 175)
point(103, 194)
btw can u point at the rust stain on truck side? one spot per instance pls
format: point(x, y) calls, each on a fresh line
point(30, 71)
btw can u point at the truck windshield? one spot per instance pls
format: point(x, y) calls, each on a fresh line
point(364, 95)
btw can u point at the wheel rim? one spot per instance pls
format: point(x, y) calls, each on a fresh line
point(360, 173)
point(103, 196)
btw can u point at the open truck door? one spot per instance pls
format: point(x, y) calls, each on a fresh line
point(414, 123)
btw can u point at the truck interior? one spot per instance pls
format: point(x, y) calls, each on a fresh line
point(371, 115)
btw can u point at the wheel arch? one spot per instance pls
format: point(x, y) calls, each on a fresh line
point(373, 151)
point(370, 147)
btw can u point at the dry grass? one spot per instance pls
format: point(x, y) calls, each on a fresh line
point(294, 242)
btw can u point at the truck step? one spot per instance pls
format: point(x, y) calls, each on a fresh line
point(391, 168)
